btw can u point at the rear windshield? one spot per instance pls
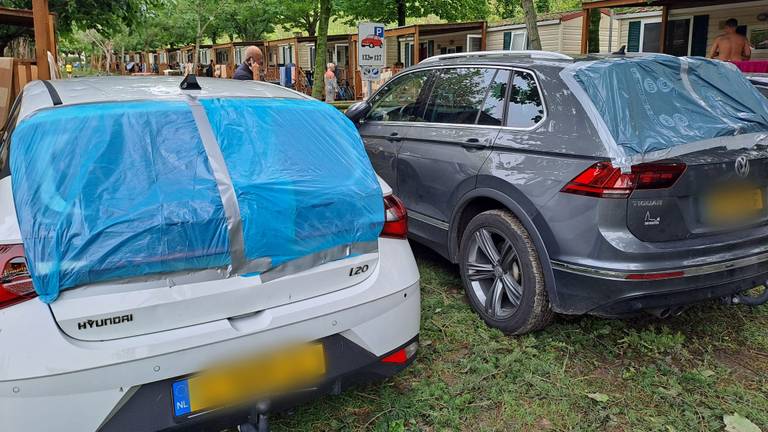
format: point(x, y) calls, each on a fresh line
point(654, 103)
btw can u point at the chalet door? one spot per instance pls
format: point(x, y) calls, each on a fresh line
point(678, 37)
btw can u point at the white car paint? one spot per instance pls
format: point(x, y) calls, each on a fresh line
point(9, 226)
point(54, 378)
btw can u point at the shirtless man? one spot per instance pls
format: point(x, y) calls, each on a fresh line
point(731, 46)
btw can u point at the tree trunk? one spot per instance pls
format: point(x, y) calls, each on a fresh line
point(321, 51)
point(400, 13)
point(534, 42)
point(197, 45)
point(594, 30)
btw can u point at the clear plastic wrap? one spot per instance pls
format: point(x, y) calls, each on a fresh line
point(109, 191)
point(643, 107)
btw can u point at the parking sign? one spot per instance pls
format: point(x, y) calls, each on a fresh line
point(371, 47)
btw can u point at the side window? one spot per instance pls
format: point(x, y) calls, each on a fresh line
point(459, 94)
point(492, 113)
point(5, 138)
point(525, 108)
point(399, 101)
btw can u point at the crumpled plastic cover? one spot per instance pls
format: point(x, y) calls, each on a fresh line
point(652, 103)
point(109, 191)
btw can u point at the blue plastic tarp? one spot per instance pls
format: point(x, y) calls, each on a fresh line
point(655, 103)
point(118, 190)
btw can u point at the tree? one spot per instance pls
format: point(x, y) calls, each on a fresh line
point(300, 14)
point(249, 19)
point(388, 11)
point(321, 51)
point(105, 43)
point(593, 40)
point(531, 25)
point(106, 15)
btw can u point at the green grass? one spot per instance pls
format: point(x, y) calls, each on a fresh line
point(681, 374)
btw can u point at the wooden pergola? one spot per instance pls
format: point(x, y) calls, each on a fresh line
point(44, 25)
point(666, 5)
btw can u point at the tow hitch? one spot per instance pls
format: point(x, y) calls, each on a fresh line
point(747, 299)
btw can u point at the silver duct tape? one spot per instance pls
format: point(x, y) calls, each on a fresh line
point(684, 68)
point(319, 258)
point(259, 265)
point(735, 142)
point(612, 149)
point(223, 183)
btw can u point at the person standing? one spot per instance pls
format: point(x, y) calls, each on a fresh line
point(731, 46)
point(209, 70)
point(251, 67)
point(69, 70)
point(331, 86)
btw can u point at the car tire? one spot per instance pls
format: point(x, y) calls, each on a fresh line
point(508, 290)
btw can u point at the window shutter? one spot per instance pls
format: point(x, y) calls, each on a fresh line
point(507, 40)
point(633, 38)
point(699, 36)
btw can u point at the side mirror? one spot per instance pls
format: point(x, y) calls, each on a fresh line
point(357, 111)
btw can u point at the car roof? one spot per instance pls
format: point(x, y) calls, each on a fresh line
point(130, 88)
point(526, 59)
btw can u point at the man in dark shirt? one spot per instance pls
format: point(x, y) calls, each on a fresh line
point(251, 66)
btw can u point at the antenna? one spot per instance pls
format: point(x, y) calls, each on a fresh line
point(190, 83)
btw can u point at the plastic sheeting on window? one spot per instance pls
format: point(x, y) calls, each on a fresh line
point(119, 190)
point(651, 107)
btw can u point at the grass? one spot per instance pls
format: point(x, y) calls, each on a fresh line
point(680, 374)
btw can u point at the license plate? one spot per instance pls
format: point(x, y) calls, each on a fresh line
point(235, 383)
point(734, 205)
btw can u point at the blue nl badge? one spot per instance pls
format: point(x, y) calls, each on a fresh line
point(181, 403)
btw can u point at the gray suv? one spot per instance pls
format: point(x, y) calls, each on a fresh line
point(504, 172)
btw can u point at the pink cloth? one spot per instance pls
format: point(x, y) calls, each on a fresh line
point(753, 66)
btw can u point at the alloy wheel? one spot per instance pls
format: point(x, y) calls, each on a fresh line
point(494, 272)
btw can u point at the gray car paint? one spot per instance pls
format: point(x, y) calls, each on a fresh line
point(525, 171)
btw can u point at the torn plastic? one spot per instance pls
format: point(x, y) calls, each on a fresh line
point(110, 191)
point(654, 107)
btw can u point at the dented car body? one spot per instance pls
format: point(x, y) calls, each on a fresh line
point(633, 197)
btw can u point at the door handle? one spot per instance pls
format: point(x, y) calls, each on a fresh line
point(473, 144)
point(394, 137)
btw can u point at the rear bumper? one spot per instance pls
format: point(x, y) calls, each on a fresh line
point(149, 407)
point(602, 292)
point(50, 381)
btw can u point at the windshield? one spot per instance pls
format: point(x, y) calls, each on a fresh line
point(648, 104)
point(5, 138)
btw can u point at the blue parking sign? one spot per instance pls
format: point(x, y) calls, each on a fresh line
point(379, 31)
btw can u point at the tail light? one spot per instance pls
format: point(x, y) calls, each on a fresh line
point(603, 180)
point(402, 355)
point(395, 218)
point(15, 282)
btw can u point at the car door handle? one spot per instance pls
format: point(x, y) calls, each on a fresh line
point(473, 144)
point(394, 137)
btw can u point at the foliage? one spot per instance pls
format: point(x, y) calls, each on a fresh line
point(300, 14)
point(387, 11)
point(512, 8)
point(248, 20)
point(681, 374)
point(107, 15)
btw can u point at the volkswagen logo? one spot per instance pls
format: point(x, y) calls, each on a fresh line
point(742, 166)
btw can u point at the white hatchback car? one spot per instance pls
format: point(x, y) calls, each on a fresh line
point(149, 354)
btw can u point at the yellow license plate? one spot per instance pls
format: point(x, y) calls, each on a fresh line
point(235, 383)
point(734, 205)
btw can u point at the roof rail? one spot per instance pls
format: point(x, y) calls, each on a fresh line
point(534, 54)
